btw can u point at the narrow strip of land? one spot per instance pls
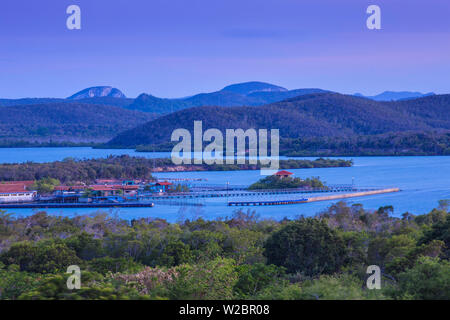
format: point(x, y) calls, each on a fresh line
point(352, 195)
point(313, 199)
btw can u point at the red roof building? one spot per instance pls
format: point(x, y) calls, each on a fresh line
point(283, 174)
point(26, 183)
point(9, 188)
point(14, 193)
point(162, 186)
point(164, 183)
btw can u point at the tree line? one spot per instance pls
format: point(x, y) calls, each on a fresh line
point(389, 144)
point(125, 167)
point(238, 257)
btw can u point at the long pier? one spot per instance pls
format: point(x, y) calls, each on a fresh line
point(255, 193)
point(266, 203)
point(313, 199)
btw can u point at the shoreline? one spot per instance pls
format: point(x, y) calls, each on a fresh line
point(287, 154)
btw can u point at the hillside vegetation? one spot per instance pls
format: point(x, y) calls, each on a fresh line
point(314, 115)
point(239, 257)
point(395, 144)
point(67, 122)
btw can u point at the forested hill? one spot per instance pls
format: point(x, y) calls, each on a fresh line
point(75, 122)
point(312, 115)
point(434, 110)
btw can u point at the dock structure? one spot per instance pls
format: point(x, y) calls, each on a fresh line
point(257, 198)
point(223, 193)
point(313, 199)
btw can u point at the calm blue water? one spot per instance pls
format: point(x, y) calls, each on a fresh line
point(423, 180)
point(20, 155)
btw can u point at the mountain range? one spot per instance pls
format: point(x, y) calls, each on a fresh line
point(102, 114)
point(241, 94)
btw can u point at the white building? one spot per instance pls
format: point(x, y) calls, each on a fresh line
point(14, 193)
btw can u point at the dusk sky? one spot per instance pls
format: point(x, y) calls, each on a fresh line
point(176, 48)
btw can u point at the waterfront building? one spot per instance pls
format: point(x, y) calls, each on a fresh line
point(26, 183)
point(163, 186)
point(16, 193)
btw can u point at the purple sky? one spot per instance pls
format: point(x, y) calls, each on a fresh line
point(175, 48)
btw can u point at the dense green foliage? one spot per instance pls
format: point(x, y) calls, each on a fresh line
point(308, 246)
point(241, 257)
point(276, 182)
point(126, 167)
point(45, 185)
point(72, 171)
point(35, 257)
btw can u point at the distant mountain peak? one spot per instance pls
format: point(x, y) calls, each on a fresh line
point(247, 88)
point(96, 92)
point(396, 95)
